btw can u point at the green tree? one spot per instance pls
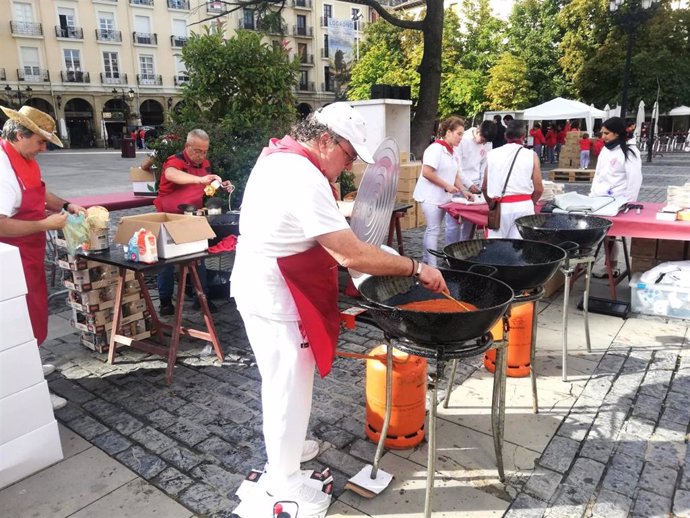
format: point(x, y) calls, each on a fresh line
point(508, 87)
point(240, 92)
point(482, 36)
point(534, 36)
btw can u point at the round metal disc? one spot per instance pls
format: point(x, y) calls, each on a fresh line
point(371, 212)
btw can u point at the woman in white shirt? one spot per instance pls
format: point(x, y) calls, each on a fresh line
point(524, 187)
point(439, 181)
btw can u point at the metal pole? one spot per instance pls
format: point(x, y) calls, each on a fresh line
point(626, 73)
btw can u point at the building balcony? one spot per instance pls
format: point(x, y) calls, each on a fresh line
point(307, 86)
point(3, 76)
point(74, 76)
point(26, 29)
point(145, 38)
point(113, 79)
point(180, 79)
point(214, 7)
point(301, 4)
point(149, 80)
point(179, 4)
point(177, 42)
point(302, 32)
point(246, 24)
point(148, 3)
point(323, 20)
point(271, 28)
point(73, 33)
point(37, 75)
point(108, 35)
point(306, 59)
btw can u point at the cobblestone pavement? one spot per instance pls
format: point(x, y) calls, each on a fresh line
point(619, 451)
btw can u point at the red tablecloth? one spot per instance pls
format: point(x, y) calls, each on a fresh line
point(631, 224)
point(114, 200)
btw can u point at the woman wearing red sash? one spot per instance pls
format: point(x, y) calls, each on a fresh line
point(284, 281)
point(23, 204)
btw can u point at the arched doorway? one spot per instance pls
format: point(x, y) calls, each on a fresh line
point(79, 122)
point(303, 109)
point(41, 104)
point(151, 113)
point(115, 112)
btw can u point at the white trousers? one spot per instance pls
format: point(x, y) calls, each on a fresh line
point(434, 215)
point(509, 213)
point(286, 365)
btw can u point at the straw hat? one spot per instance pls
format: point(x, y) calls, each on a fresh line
point(36, 121)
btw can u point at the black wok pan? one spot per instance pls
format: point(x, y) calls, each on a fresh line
point(442, 331)
point(521, 264)
point(586, 231)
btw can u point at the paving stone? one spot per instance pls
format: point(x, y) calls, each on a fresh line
point(241, 436)
point(559, 454)
point(658, 479)
point(224, 452)
point(182, 458)
point(196, 413)
point(570, 502)
point(87, 427)
point(168, 401)
point(611, 362)
point(656, 383)
point(681, 504)
point(239, 413)
point(363, 449)
point(622, 474)
point(173, 481)
point(667, 360)
point(187, 432)
point(69, 412)
point(111, 442)
point(213, 475)
point(75, 373)
point(631, 445)
point(139, 405)
point(543, 483)
point(584, 476)
point(647, 407)
point(141, 462)
point(648, 504)
point(576, 425)
point(666, 453)
point(334, 435)
point(153, 440)
point(70, 391)
point(526, 506)
point(162, 419)
point(640, 428)
point(611, 505)
point(203, 499)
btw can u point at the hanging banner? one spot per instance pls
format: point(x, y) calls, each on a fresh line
point(341, 37)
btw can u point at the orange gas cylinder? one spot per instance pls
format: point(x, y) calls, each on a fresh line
point(406, 428)
point(519, 341)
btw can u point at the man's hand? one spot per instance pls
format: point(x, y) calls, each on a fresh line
point(207, 179)
point(73, 208)
point(452, 189)
point(432, 279)
point(228, 186)
point(55, 221)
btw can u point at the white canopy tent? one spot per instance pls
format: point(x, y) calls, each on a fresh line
point(559, 108)
point(679, 111)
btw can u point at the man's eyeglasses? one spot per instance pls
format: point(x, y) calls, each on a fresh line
point(350, 158)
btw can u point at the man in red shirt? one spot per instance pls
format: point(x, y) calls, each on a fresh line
point(560, 140)
point(182, 183)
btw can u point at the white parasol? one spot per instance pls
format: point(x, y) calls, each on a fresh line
point(639, 120)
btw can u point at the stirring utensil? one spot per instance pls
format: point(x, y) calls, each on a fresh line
point(450, 297)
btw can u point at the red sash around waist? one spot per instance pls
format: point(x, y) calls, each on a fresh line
point(513, 198)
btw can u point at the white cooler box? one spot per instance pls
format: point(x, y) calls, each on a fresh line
point(661, 300)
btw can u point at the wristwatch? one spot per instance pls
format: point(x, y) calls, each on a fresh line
point(65, 205)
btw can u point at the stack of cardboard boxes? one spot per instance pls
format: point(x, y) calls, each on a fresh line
point(645, 254)
point(91, 295)
point(569, 157)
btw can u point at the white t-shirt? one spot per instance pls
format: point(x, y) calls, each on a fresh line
point(10, 192)
point(499, 160)
point(445, 166)
point(287, 204)
point(616, 176)
point(473, 159)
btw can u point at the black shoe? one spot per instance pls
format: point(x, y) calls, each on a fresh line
point(166, 308)
point(211, 306)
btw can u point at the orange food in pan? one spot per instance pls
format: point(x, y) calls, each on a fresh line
point(438, 306)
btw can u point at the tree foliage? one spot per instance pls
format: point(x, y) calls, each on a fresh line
point(240, 92)
point(508, 86)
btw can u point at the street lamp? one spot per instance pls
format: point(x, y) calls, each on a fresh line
point(18, 95)
point(125, 105)
point(629, 15)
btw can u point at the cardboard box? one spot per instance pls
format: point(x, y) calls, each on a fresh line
point(555, 283)
point(24, 411)
point(143, 182)
point(641, 247)
point(642, 264)
point(670, 250)
point(30, 453)
point(177, 234)
point(20, 368)
point(12, 283)
point(14, 322)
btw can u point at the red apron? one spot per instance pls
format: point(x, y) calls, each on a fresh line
point(312, 277)
point(32, 249)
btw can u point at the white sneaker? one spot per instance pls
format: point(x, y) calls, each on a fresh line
point(48, 369)
point(311, 502)
point(309, 451)
point(57, 401)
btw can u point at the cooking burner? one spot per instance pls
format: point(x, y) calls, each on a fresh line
point(446, 351)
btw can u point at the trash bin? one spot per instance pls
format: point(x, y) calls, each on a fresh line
point(129, 148)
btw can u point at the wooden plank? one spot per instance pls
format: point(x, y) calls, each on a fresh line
point(571, 175)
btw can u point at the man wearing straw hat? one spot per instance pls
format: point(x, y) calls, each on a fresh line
point(24, 201)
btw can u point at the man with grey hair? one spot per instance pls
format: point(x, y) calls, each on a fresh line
point(23, 204)
point(182, 182)
point(285, 284)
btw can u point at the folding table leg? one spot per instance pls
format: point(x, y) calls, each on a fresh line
point(117, 313)
point(177, 322)
point(203, 303)
point(149, 306)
